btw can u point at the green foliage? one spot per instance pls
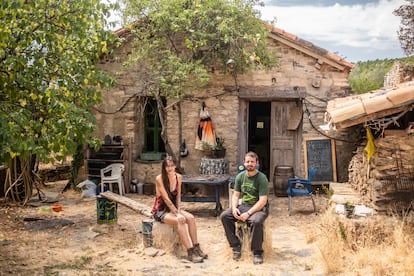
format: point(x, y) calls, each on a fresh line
point(342, 231)
point(369, 75)
point(179, 41)
point(220, 143)
point(48, 78)
point(327, 190)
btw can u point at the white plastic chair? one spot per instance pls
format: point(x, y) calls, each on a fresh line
point(116, 170)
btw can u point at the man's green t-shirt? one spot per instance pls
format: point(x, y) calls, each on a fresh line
point(252, 187)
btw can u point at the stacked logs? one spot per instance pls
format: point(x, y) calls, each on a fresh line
point(390, 186)
point(357, 172)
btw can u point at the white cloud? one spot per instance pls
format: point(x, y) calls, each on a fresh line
point(371, 25)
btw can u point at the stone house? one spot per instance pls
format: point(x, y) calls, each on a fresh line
point(269, 111)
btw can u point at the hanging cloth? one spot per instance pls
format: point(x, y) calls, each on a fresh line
point(205, 131)
point(370, 147)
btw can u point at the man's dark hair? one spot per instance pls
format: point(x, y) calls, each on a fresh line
point(252, 154)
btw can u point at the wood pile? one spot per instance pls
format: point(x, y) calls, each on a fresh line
point(357, 173)
point(390, 186)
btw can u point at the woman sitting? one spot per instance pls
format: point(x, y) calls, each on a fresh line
point(167, 209)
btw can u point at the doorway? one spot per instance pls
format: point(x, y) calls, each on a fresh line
point(259, 133)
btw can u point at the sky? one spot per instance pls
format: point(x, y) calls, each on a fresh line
point(354, 30)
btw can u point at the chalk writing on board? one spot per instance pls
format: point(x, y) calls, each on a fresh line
point(320, 154)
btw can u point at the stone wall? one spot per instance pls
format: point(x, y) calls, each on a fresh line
point(121, 111)
point(399, 73)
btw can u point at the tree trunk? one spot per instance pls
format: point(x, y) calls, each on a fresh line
point(163, 119)
point(19, 180)
point(180, 137)
point(75, 165)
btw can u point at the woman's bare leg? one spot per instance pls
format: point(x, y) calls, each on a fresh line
point(192, 228)
point(181, 229)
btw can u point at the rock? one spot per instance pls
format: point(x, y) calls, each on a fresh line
point(151, 251)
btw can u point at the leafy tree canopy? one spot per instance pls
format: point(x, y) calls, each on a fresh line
point(47, 75)
point(179, 41)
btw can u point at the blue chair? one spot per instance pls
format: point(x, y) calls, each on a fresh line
point(301, 187)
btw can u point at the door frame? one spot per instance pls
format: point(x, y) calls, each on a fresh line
point(242, 146)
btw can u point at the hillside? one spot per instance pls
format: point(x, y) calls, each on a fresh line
point(369, 75)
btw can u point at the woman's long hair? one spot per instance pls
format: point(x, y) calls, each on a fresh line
point(164, 175)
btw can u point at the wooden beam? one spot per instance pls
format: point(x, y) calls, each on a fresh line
point(272, 92)
point(130, 203)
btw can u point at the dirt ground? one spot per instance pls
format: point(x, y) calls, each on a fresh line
point(36, 241)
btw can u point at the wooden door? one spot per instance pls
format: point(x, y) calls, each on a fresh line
point(283, 141)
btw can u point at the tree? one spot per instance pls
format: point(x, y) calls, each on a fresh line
point(369, 75)
point(406, 31)
point(48, 79)
point(180, 41)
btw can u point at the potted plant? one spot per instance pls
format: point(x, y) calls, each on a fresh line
point(219, 150)
point(349, 209)
point(207, 149)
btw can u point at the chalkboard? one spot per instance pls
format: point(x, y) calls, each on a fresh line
point(320, 153)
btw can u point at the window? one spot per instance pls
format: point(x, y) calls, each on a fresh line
point(152, 128)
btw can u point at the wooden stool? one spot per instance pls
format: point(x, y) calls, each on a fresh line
point(166, 237)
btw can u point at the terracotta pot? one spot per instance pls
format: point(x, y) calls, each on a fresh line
point(57, 207)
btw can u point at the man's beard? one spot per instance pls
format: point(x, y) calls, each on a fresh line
point(250, 169)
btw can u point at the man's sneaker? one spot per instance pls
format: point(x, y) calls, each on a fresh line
point(236, 253)
point(258, 259)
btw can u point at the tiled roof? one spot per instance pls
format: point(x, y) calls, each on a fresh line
point(310, 46)
point(357, 109)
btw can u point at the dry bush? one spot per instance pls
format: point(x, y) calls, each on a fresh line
point(377, 245)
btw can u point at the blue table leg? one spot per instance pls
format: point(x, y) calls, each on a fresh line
point(218, 204)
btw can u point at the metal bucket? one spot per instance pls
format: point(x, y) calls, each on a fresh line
point(147, 232)
point(280, 179)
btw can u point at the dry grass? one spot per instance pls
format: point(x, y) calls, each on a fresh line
point(267, 243)
point(377, 245)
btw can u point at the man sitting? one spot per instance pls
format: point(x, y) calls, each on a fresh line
point(253, 187)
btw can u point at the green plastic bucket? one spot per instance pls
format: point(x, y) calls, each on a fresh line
point(106, 211)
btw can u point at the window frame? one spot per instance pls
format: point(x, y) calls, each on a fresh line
point(152, 130)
